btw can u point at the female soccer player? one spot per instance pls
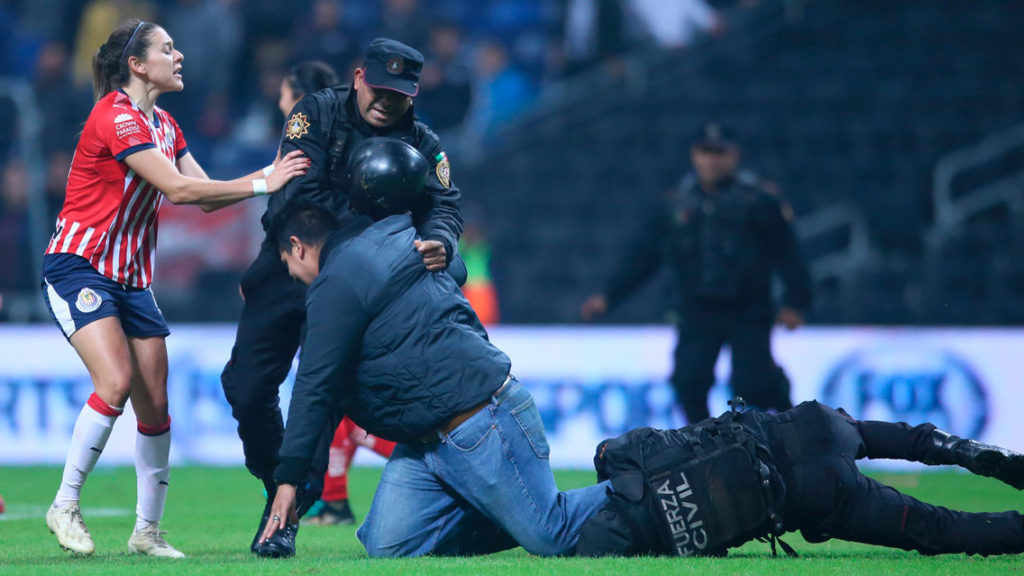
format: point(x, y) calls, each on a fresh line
point(302, 79)
point(99, 266)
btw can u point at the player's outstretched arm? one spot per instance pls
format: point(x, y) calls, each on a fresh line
point(179, 188)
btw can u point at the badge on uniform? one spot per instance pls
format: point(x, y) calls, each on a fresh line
point(444, 169)
point(88, 301)
point(298, 126)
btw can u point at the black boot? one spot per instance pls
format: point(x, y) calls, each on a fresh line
point(281, 544)
point(982, 459)
point(254, 547)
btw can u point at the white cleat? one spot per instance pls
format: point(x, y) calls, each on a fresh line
point(150, 541)
point(67, 524)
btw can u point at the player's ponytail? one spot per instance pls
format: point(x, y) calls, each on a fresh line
point(110, 63)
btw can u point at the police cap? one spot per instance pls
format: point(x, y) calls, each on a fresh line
point(391, 65)
point(715, 135)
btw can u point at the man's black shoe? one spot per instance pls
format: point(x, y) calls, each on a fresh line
point(263, 524)
point(281, 544)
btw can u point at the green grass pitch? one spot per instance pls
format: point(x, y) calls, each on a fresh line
point(212, 513)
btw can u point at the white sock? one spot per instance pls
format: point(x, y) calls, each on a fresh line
point(152, 471)
point(88, 439)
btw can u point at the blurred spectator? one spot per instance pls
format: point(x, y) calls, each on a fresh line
point(8, 128)
point(58, 164)
point(445, 89)
point(260, 125)
point(50, 20)
point(98, 19)
point(594, 31)
point(211, 31)
point(476, 253)
point(8, 25)
point(500, 93)
point(16, 270)
point(405, 21)
point(676, 23)
point(330, 39)
point(63, 106)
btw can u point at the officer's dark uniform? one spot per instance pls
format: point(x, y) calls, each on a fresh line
point(800, 475)
point(326, 126)
point(723, 249)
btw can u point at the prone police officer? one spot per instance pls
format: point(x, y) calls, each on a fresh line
point(327, 126)
point(708, 487)
point(725, 238)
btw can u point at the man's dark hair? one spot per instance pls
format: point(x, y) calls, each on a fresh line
point(306, 220)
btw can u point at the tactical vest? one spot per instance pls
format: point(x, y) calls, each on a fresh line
point(712, 239)
point(695, 491)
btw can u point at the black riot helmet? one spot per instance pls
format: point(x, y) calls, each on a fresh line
point(385, 176)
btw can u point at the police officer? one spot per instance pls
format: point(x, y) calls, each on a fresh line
point(702, 489)
point(725, 237)
point(327, 125)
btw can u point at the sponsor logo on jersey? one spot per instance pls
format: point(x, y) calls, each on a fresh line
point(126, 125)
point(88, 301)
point(298, 126)
point(444, 169)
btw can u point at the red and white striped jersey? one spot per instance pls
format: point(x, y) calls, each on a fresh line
point(110, 213)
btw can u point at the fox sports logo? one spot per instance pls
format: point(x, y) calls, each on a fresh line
point(910, 386)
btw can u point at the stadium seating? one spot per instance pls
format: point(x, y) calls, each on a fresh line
point(853, 103)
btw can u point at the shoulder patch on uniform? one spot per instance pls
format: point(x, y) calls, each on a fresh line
point(88, 301)
point(298, 126)
point(444, 169)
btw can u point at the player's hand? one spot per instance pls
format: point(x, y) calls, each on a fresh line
point(293, 164)
point(283, 509)
point(593, 307)
point(790, 318)
point(433, 253)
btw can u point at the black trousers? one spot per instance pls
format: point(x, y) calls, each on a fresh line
point(269, 334)
point(703, 329)
point(827, 497)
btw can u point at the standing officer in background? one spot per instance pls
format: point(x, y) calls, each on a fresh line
point(724, 237)
point(327, 125)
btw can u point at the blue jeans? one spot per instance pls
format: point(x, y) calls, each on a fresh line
point(485, 487)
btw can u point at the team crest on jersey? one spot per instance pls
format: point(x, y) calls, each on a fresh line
point(298, 126)
point(444, 169)
point(88, 301)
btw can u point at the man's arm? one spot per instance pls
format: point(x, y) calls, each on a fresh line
point(439, 218)
point(335, 321)
point(302, 131)
point(641, 259)
point(792, 266)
